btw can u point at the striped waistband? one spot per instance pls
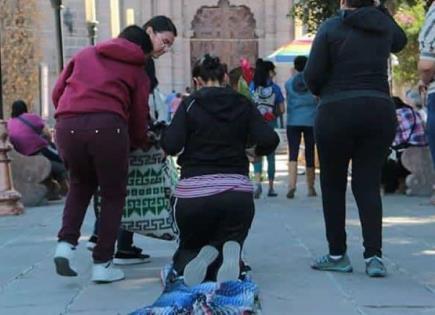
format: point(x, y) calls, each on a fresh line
point(208, 185)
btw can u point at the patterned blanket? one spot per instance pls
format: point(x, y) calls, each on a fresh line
point(209, 298)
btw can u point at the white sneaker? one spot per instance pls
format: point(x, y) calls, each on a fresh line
point(230, 268)
point(105, 273)
point(196, 270)
point(62, 259)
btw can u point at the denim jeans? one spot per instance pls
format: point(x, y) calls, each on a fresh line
point(430, 129)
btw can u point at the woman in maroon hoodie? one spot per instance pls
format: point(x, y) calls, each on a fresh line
point(101, 101)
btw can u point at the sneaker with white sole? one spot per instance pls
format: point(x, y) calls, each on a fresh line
point(130, 256)
point(62, 259)
point(230, 268)
point(196, 270)
point(327, 263)
point(375, 267)
point(106, 273)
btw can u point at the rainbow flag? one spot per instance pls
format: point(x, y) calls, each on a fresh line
point(288, 52)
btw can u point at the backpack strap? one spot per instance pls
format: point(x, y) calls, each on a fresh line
point(30, 125)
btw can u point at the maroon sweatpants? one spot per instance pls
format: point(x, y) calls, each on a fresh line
point(95, 150)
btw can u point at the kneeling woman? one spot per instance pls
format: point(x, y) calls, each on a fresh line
point(214, 205)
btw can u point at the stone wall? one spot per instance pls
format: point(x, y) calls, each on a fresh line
point(19, 52)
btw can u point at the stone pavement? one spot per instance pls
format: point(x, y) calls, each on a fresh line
point(285, 237)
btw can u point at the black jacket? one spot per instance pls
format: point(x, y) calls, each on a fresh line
point(349, 56)
point(212, 128)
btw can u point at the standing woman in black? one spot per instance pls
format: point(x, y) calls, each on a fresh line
point(348, 70)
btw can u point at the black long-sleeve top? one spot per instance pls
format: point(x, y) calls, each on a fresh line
point(350, 52)
point(211, 130)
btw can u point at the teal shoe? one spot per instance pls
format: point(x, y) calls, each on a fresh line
point(326, 263)
point(375, 267)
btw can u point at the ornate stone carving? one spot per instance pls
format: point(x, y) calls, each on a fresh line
point(226, 31)
point(9, 198)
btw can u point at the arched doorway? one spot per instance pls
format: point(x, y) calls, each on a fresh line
point(226, 31)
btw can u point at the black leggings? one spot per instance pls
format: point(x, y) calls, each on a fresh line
point(361, 130)
point(211, 220)
point(294, 134)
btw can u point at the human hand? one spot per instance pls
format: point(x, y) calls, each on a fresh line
point(250, 154)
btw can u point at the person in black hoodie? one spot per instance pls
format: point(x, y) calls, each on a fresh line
point(213, 206)
point(356, 121)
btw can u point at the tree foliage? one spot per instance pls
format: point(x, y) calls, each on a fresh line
point(19, 51)
point(411, 19)
point(409, 14)
point(313, 12)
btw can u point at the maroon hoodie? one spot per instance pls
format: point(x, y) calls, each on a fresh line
point(109, 77)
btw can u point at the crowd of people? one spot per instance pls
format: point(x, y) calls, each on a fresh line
point(338, 100)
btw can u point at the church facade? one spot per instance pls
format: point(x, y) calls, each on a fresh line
point(231, 29)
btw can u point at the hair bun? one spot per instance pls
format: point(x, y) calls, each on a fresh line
point(211, 62)
point(259, 62)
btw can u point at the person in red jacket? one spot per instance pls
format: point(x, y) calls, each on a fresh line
point(101, 101)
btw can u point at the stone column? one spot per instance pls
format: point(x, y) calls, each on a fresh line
point(269, 26)
point(177, 53)
point(284, 33)
point(10, 203)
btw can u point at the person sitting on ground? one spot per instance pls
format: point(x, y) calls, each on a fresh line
point(213, 203)
point(30, 136)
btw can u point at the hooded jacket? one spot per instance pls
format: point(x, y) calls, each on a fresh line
point(349, 56)
point(301, 104)
point(107, 78)
point(211, 129)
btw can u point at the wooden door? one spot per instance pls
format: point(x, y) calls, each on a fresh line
point(225, 31)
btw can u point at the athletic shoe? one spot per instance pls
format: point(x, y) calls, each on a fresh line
point(375, 267)
point(131, 256)
point(326, 263)
point(62, 259)
point(196, 270)
point(106, 273)
point(230, 268)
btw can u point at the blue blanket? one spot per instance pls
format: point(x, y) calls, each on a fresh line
point(228, 298)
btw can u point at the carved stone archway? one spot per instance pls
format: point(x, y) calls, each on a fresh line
point(226, 31)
